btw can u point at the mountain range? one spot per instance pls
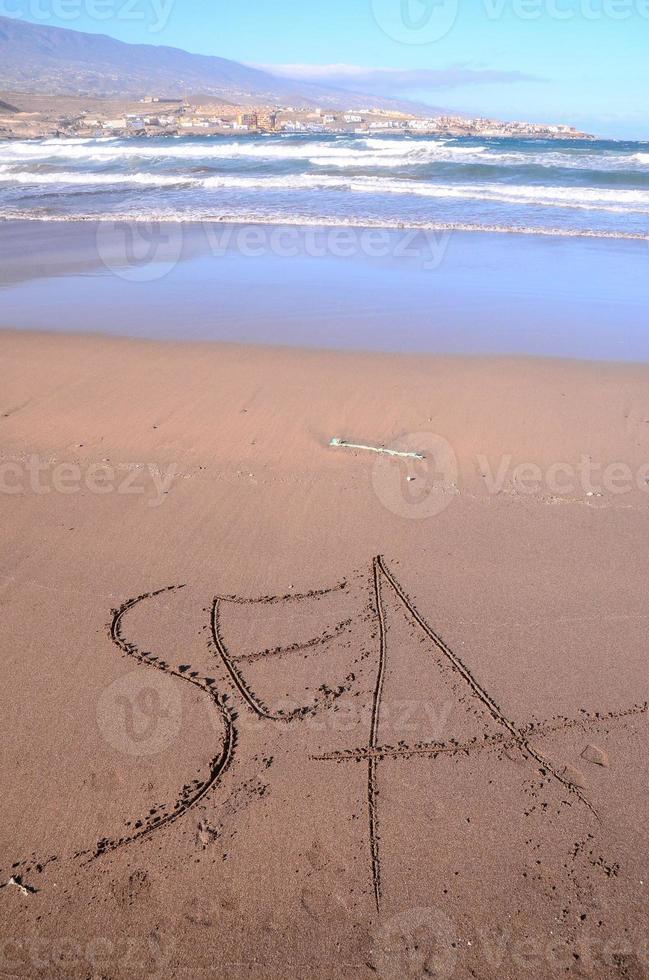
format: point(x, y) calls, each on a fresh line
point(58, 61)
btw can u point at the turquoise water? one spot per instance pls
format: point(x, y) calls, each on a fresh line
point(564, 187)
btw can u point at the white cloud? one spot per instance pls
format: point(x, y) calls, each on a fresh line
point(392, 81)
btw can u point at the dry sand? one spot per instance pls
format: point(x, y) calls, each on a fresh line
point(431, 763)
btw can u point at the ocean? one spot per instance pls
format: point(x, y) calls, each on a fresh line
point(558, 187)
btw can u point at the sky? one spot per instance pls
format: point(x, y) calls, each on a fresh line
point(580, 62)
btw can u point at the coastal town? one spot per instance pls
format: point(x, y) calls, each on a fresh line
point(31, 116)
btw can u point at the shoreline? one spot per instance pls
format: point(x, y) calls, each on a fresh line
point(323, 223)
point(409, 358)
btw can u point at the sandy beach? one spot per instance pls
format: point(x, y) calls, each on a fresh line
point(324, 490)
point(273, 707)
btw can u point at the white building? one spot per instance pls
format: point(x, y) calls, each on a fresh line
point(423, 125)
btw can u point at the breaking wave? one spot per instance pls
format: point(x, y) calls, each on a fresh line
point(569, 187)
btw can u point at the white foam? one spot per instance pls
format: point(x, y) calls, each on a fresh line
point(618, 200)
point(80, 179)
point(338, 152)
point(288, 220)
point(588, 198)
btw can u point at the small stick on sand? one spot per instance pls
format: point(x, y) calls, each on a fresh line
point(17, 881)
point(375, 449)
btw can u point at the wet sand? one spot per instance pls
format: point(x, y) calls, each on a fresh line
point(336, 288)
point(277, 708)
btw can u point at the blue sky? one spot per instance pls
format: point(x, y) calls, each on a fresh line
point(583, 62)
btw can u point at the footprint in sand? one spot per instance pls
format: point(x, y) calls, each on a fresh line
point(592, 753)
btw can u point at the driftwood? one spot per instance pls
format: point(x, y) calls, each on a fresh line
point(375, 449)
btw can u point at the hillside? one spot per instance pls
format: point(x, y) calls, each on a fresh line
point(36, 58)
